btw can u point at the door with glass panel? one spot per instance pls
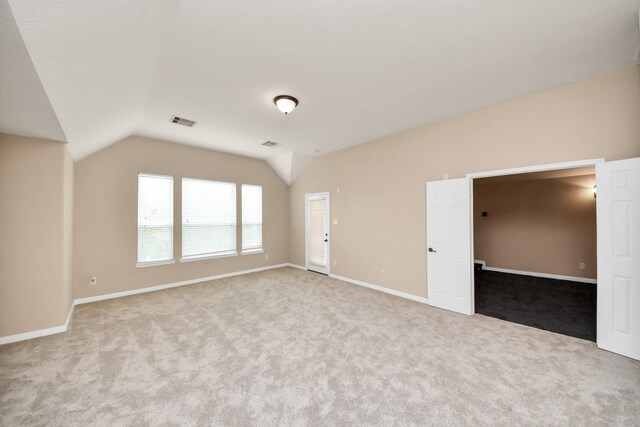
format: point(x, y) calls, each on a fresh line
point(317, 232)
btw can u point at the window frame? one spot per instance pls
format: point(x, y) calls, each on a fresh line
point(209, 255)
point(253, 250)
point(171, 260)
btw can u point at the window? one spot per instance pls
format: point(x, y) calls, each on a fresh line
point(251, 218)
point(155, 219)
point(208, 219)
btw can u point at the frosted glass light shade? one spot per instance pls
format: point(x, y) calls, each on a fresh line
point(285, 103)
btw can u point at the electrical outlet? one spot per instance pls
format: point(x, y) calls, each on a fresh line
point(581, 265)
point(335, 262)
point(445, 175)
point(335, 221)
point(382, 273)
point(338, 190)
point(93, 280)
point(266, 256)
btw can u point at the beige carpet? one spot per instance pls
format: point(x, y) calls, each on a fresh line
point(287, 347)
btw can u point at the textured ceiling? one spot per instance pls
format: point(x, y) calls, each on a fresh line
point(24, 105)
point(361, 69)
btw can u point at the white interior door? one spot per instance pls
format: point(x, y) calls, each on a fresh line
point(449, 245)
point(317, 232)
point(618, 219)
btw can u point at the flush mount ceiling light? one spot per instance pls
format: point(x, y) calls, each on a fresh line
point(285, 103)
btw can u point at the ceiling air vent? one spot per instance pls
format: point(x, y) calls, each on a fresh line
point(184, 122)
point(270, 144)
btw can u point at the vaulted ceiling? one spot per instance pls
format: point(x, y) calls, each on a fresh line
point(92, 72)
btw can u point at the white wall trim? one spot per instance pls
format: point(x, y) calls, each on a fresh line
point(381, 289)
point(537, 168)
point(154, 263)
point(173, 285)
point(40, 332)
point(63, 328)
point(69, 316)
point(252, 251)
point(536, 274)
point(193, 258)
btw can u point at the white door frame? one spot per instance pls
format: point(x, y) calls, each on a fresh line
point(516, 171)
point(327, 227)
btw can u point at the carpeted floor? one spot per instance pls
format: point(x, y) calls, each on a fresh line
point(288, 347)
point(553, 305)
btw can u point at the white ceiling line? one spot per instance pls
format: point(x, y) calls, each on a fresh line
point(112, 69)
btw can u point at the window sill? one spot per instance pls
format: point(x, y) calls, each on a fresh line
point(252, 251)
point(208, 256)
point(154, 263)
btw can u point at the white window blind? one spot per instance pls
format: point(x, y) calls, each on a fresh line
point(155, 218)
point(208, 218)
point(251, 218)
point(317, 253)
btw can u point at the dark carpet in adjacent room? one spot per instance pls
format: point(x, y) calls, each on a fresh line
point(554, 305)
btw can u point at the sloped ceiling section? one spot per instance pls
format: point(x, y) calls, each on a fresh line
point(24, 105)
point(289, 165)
point(96, 60)
point(281, 164)
point(361, 69)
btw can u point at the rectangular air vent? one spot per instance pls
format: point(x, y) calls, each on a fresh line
point(270, 144)
point(184, 122)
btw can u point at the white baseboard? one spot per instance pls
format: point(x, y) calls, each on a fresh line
point(69, 316)
point(40, 332)
point(535, 274)
point(63, 328)
point(299, 267)
point(173, 285)
point(381, 289)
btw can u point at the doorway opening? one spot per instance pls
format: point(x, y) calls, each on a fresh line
point(535, 249)
point(450, 245)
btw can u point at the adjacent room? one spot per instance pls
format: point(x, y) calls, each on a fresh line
point(319, 213)
point(535, 249)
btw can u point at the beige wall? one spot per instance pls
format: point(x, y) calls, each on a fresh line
point(381, 204)
point(33, 236)
point(105, 214)
point(543, 226)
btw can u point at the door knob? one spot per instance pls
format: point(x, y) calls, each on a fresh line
point(432, 250)
point(326, 240)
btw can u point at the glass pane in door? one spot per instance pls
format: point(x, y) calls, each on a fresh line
point(317, 232)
